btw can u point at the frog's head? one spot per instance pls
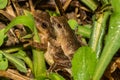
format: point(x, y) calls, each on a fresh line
point(43, 23)
point(59, 25)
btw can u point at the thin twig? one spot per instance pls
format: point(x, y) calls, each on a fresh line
point(31, 6)
point(59, 5)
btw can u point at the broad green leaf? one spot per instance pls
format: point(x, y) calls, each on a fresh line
point(55, 76)
point(3, 62)
point(2, 36)
point(3, 3)
point(84, 63)
point(116, 6)
point(20, 65)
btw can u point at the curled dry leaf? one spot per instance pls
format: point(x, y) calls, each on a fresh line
point(113, 67)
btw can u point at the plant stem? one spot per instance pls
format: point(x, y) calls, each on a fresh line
point(112, 43)
point(39, 66)
point(91, 4)
point(98, 32)
point(84, 31)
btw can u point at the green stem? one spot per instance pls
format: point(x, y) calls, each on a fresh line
point(112, 43)
point(108, 52)
point(84, 31)
point(38, 63)
point(91, 4)
point(39, 66)
point(98, 32)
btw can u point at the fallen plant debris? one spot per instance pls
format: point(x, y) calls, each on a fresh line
point(59, 40)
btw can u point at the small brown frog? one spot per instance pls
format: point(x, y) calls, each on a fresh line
point(47, 37)
point(46, 34)
point(54, 54)
point(65, 36)
point(44, 27)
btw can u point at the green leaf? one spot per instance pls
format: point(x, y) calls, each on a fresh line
point(27, 36)
point(38, 63)
point(73, 23)
point(22, 55)
point(39, 67)
point(84, 63)
point(83, 30)
point(41, 78)
point(2, 35)
point(116, 6)
point(3, 62)
point(55, 76)
point(20, 65)
point(3, 3)
point(26, 20)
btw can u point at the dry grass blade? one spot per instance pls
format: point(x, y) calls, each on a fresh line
point(12, 74)
point(67, 3)
point(112, 71)
point(59, 5)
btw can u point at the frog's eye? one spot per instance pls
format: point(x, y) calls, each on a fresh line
point(44, 25)
point(59, 26)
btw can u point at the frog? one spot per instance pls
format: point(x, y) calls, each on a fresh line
point(48, 38)
point(65, 36)
point(46, 34)
point(43, 24)
point(54, 54)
